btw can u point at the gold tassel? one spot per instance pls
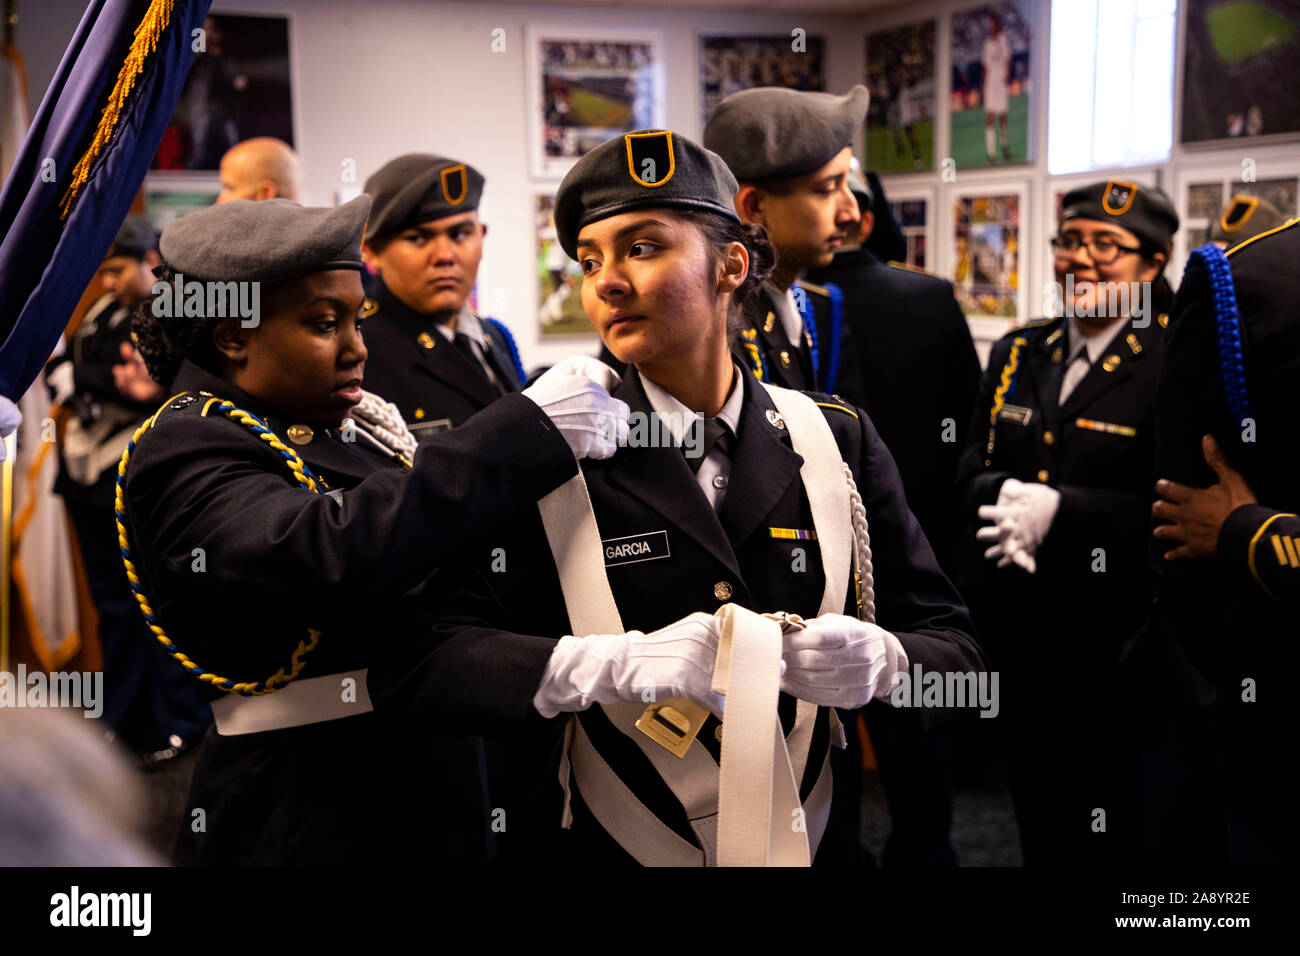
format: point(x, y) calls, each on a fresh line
point(155, 21)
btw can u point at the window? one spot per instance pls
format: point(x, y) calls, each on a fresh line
point(1111, 99)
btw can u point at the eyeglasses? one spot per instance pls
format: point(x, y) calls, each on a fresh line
point(1103, 250)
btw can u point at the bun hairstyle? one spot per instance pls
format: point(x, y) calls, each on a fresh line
point(720, 232)
point(166, 341)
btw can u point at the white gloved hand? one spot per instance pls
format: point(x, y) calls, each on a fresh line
point(574, 394)
point(1021, 519)
point(674, 661)
point(10, 419)
point(839, 661)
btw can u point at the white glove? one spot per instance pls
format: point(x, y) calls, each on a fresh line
point(674, 661)
point(575, 396)
point(1021, 519)
point(10, 419)
point(839, 661)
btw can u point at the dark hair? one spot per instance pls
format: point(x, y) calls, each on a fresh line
point(1162, 293)
point(719, 232)
point(165, 341)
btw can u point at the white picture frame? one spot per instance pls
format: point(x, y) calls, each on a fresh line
point(609, 63)
point(928, 195)
point(988, 326)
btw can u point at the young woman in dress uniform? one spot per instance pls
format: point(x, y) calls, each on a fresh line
point(691, 517)
point(1060, 461)
point(276, 546)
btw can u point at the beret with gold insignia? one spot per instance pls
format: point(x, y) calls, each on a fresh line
point(1244, 217)
point(647, 168)
point(1144, 211)
point(420, 187)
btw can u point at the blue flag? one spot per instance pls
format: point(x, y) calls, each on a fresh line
point(84, 158)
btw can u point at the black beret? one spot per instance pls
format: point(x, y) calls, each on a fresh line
point(1246, 216)
point(641, 169)
point(419, 187)
point(770, 132)
point(1144, 211)
point(268, 241)
point(136, 237)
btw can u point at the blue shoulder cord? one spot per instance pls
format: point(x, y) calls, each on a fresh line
point(1228, 323)
point(809, 328)
point(510, 344)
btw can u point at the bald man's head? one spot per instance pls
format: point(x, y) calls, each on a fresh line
point(261, 168)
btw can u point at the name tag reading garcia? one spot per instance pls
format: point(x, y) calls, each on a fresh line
point(649, 546)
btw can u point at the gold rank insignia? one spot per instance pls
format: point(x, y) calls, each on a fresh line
point(1133, 344)
point(425, 340)
point(300, 434)
point(768, 323)
point(1054, 336)
point(1110, 363)
point(785, 359)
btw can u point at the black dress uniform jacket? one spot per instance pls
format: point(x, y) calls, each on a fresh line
point(910, 362)
point(277, 559)
point(701, 560)
point(1225, 621)
point(434, 384)
point(1058, 633)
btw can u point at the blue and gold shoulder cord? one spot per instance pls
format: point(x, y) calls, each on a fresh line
point(1006, 386)
point(301, 474)
point(510, 344)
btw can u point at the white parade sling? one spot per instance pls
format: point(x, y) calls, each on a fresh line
point(746, 812)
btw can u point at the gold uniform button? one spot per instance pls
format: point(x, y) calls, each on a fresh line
point(300, 434)
point(419, 413)
point(722, 590)
point(1042, 475)
point(785, 359)
point(425, 339)
point(1057, 354)
point(1049, 438)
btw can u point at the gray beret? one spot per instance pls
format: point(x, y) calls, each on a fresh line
point(642, 169)
point(268, 241)
point(1144, 211)
point(419, 187)
point(1245, 217)
point(136, 237)
point(770, 132)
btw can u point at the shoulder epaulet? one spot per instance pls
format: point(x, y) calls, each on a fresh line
point(1027, 327)
point(1286, 225)
point(368, 308)
point(894, 263)
point(837, 404)
point(813, 287)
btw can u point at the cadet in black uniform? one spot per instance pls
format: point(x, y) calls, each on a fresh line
point(1060, 459)
point(663, 257)
point(148, 704)
point(431, 355)
point(790, 153)
point(266, 532)
point(920, 372)
point(1215, 667)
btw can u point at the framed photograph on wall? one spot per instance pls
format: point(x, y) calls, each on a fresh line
point(990, 102)
point(913, 210)
point(559, 279)
point(586, 87)
point(729, 64)
point(238, 87)
point(988, 259)
point(1202, 194)
point(167, 197)
point(901, 77)
point(1239, 71)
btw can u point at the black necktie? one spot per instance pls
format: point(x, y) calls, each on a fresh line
point(462, 342)
point(715, 432)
